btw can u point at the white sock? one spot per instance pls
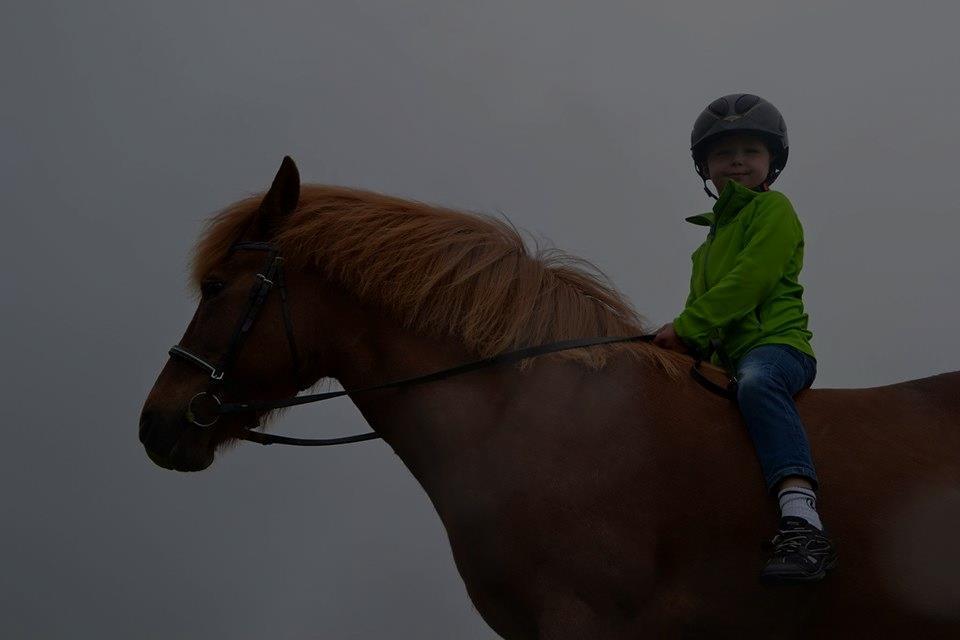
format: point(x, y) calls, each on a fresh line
point(800, 502)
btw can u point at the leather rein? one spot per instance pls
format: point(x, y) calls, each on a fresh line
point(270, 277)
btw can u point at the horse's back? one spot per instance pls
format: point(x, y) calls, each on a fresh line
point(905, 434)
point(920, 416)
point(943, 387)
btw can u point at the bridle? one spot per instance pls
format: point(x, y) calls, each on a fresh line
point(270, 277)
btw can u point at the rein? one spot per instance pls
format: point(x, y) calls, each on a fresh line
point(272, 276)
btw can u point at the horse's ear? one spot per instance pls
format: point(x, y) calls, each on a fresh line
point(281, 200)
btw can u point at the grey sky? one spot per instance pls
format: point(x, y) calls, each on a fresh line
point(125, 125)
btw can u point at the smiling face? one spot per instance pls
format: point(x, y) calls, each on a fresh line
point(741, 157)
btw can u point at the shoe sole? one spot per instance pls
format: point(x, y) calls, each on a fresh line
point(792, 578)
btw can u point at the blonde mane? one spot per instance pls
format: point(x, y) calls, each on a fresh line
point(443, 272)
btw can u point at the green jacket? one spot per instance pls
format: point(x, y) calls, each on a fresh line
point(744, 288)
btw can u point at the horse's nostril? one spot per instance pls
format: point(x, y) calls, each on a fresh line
point(157, 433)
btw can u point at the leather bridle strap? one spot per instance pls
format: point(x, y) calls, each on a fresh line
point(269, 438)
point(503, 358)
point(288, 326)
point(258, 296)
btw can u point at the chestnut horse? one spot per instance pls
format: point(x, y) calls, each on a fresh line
point(595, 493)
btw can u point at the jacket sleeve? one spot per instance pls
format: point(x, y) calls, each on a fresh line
point(770, 241)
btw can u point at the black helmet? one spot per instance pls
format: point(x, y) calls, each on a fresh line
point(743, 113)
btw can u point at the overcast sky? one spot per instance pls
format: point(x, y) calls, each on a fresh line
point(124, 125)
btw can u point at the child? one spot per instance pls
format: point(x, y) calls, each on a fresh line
point(745, 309)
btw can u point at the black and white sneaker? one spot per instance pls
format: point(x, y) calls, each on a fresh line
point(799, 553)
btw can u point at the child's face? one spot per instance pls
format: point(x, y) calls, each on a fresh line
point(740, 157)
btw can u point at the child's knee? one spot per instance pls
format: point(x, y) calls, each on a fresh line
point(757, 380)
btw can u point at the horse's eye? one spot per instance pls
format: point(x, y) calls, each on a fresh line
point(210, 288)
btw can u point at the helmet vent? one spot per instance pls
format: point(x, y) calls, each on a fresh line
point(745, 102)
point(719, 107)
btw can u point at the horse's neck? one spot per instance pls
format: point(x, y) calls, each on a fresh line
point(426, 424)
point(478, 431)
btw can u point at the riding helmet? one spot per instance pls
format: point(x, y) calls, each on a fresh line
point(743, 113)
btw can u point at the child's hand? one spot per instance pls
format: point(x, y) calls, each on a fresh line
point(668, 339)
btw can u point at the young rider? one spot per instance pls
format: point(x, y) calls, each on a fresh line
point(745, 310)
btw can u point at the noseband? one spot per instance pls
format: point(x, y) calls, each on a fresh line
point(270, 277)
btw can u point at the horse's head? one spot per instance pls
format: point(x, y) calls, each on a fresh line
point(250, 340)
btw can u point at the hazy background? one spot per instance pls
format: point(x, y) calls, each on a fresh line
point(124, 125)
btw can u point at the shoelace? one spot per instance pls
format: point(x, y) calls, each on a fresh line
point(798, 540)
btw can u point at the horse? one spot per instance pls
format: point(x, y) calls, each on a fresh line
point(598, 492)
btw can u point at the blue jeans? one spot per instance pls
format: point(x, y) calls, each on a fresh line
point(768, 377)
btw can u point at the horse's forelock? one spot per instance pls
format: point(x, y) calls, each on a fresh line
point(219, 234)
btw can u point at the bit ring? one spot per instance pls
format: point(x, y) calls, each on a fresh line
point(192, 416)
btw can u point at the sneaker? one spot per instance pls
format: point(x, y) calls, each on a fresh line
point(799, 553)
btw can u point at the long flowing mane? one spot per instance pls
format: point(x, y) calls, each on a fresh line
point(440, 271)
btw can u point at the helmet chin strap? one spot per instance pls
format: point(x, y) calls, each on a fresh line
point(707, 189)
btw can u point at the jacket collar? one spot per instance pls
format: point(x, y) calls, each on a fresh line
point(734, 197)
